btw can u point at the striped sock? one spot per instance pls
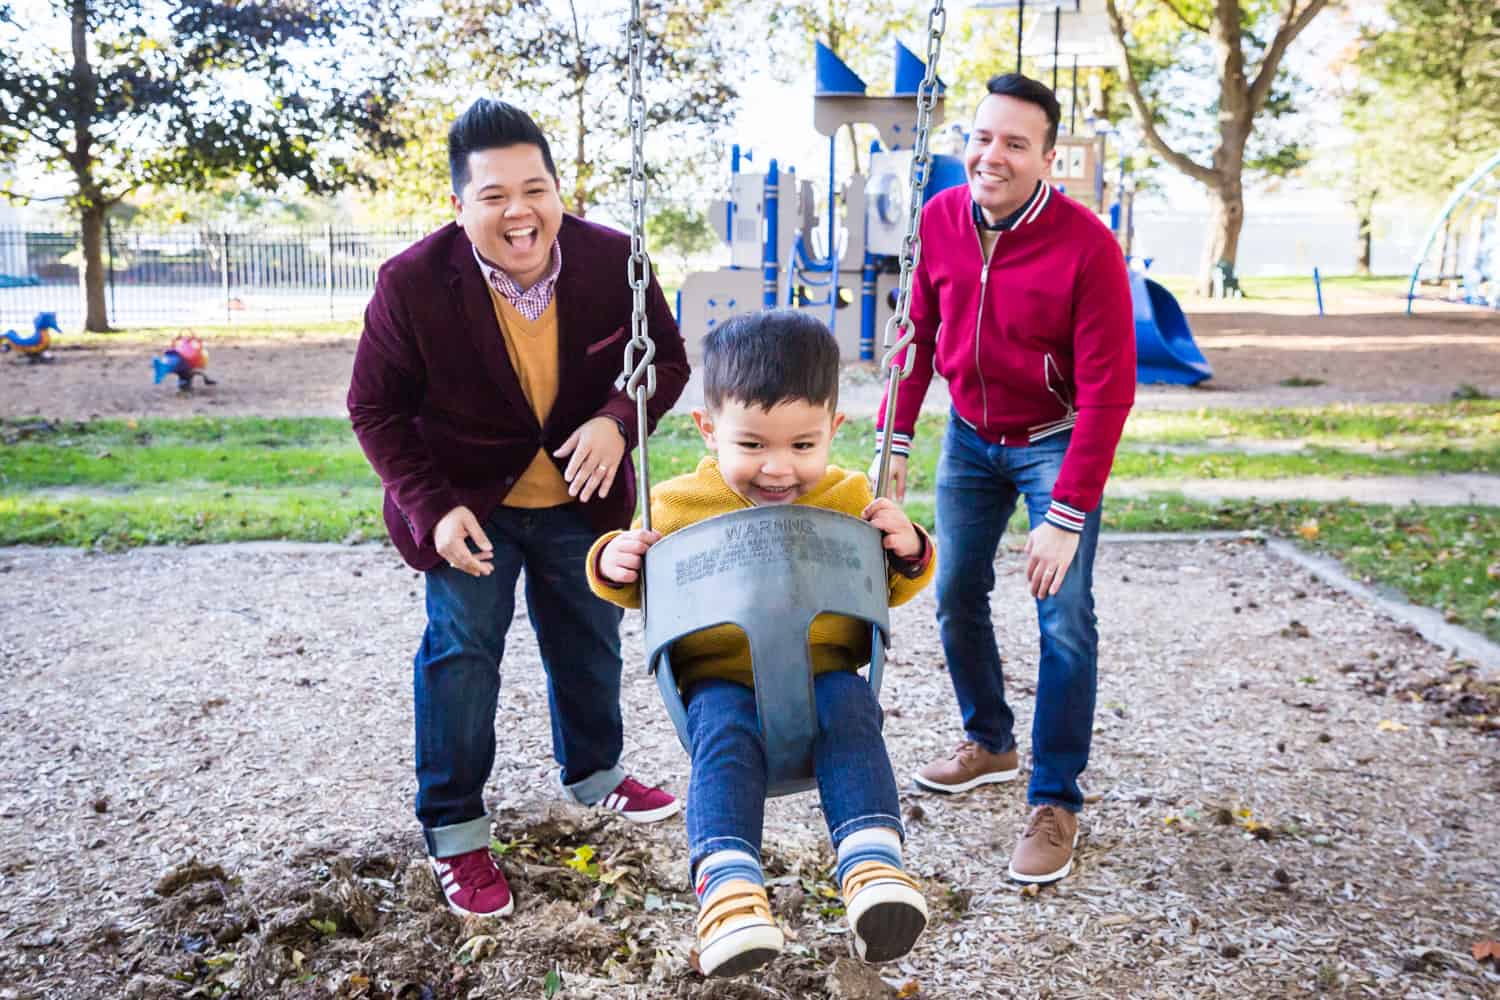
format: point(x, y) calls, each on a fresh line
point(722, 866)
point(875, 843)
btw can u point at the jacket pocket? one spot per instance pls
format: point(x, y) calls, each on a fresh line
point(600, 345)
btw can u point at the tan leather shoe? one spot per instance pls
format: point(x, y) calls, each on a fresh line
point(1045, 851)
point(969, 766)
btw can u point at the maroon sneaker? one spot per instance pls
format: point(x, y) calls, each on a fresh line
point(640, 804)
point(474, 884)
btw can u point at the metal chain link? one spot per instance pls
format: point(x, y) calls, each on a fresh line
point(638, 270)
point(911, 245)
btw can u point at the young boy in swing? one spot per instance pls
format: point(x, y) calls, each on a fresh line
point(770, 383)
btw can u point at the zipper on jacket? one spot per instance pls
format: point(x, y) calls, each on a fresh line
point(984, 284)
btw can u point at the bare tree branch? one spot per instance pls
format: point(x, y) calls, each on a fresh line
point(1292, 24)
point(1143, 113)
point(1182, 16)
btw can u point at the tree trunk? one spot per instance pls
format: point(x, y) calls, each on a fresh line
point(1362, 243)
point(1225, 221)
point(96, 314)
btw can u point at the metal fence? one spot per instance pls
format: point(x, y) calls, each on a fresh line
point(184, 275)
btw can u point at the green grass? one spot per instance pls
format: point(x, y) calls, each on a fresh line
point(189, 516)
point(290, 452)
point(116, 484)
point(1297, 287)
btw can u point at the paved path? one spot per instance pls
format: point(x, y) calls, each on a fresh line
point(1453, 490)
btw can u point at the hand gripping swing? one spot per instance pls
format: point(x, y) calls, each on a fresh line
point(768, 570)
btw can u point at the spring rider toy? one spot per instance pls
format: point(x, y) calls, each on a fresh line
point(35, 347)
point(186, 358)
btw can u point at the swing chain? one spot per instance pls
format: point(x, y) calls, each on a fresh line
point(911, 249)
point(638, 270)
point(911, 243)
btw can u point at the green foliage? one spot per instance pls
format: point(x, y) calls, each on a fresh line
point(684, 230)
point(1429, 76)
point(567, 65)
point(132, 108)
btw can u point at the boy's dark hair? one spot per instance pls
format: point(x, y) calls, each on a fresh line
point(1024, 88)
point(768, 358)
point(491, 124)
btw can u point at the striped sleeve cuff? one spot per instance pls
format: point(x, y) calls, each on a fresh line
point(1065, 517)
point(900, 443)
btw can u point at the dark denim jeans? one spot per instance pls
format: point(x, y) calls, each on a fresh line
point(456, 674)
point(727, 794)
point(978, 484)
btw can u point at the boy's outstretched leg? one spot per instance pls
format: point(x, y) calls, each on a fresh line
point(736, 932)
point(885, 906)
point(726, 808)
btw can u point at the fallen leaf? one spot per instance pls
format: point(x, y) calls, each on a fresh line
point(1391, 726)
point(478, 947)
point(1486, 950)
point(910, 988)
point(1309, 529)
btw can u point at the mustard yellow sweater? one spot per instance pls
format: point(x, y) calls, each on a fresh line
point(837, 642)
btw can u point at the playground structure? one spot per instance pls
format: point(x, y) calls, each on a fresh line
point(35, 347)
point(783, 254)
point(186, 358)
point(1465, 265)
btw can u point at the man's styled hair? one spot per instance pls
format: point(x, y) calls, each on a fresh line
point(768, 358)
point(491, 124)
point(1024, 88)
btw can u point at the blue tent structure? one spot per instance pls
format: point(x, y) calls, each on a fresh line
point(1164, 346)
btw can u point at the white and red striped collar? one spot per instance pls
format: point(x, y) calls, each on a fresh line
point(1022, 216)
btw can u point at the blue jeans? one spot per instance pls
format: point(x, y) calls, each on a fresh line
point(978, 484)
point(456, 675)
point(727, 793)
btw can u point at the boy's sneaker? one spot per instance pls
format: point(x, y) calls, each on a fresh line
point(1045, 851)
point(969, 766)
point(640, 804)
point(886, 910)
point(473, 884)
point(736, 932)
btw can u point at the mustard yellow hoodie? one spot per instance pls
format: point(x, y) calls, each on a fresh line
point(837, 642)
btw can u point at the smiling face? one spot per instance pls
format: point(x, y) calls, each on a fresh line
point(1006, 154)
point(770, 456)
point(511, 210)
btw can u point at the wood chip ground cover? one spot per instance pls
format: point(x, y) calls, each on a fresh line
point(205, 787)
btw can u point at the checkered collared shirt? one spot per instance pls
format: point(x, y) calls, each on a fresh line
point(530, 302)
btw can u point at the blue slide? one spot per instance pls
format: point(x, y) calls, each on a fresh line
point(1164, 347)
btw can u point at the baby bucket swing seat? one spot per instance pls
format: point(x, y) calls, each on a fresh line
point(768, 570)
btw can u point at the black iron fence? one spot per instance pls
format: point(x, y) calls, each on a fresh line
point(191, 275)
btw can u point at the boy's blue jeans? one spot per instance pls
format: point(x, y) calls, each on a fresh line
point(978, 484)
point(456, 676)
point(727, 793)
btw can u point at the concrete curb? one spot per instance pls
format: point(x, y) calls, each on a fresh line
point(1429, 624)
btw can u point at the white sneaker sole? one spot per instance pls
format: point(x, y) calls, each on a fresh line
point(887, 920)
point(651, 815)
point(1043, 879)
point(739, 950)
point(992, 778)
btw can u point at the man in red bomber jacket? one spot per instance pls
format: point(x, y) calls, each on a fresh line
point(1022, 302)
point(486, 394)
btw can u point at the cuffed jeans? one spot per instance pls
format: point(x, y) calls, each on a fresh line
point(456, 675)
point(978, 485)
point(727, 793)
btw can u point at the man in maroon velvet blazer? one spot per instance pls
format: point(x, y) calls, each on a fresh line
point(487, 395)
